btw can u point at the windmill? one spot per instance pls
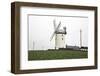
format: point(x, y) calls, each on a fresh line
point(59, 35)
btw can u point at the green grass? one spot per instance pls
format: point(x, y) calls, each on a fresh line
point(56, 54)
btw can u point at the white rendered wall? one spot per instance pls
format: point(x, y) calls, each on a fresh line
point(60, 41)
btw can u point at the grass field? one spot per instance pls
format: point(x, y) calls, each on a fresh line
point(57, 54)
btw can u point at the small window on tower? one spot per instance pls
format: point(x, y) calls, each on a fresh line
point(62, 38)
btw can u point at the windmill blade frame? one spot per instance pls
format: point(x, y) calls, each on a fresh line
point(55, 31)
point(54, 23)
point(52, 36)
point(58, 26)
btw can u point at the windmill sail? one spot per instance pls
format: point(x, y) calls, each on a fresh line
point(54, 23)
point(55, 30)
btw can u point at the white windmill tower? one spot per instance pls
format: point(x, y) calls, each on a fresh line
point(59, 35)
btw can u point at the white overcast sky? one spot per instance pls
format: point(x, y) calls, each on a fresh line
point(41, 28)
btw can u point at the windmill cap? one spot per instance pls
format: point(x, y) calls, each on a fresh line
point(60, 31)
point(64, 27)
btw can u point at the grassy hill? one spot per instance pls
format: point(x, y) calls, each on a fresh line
point(56, 54)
